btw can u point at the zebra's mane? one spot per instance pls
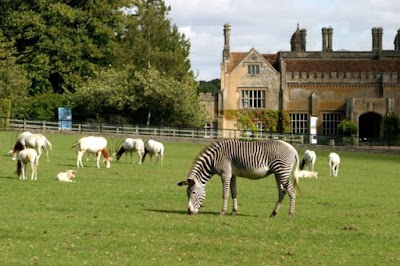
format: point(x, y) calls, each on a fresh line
point(199, 164)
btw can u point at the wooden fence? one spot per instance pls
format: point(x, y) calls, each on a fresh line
point(125, 129)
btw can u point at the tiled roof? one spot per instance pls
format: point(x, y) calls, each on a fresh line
point(325, 65)
point(237, 57)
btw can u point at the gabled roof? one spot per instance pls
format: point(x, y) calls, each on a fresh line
point(237, 57)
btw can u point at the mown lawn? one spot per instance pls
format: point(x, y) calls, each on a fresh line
point(135, 214)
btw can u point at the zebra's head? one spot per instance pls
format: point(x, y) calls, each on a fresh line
point(196, 194)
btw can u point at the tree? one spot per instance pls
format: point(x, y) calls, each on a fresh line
point(106, 94)
point(391, 128)
point(347, 128)
point(151, 41)
point(212, 86)
point(168, 101)
point(62, 43)
point(13, 79)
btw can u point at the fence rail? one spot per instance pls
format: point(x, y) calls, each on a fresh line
point(191, 133)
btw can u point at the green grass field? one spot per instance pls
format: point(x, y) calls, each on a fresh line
point(135, 214)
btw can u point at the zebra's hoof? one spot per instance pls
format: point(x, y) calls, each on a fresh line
point(222, 213)
point(234, 213)
point(273, 214)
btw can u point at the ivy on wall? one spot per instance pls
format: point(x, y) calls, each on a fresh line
point(391, 129)
point(274, 121)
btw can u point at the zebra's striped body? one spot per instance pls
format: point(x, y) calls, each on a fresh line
point(249, 159)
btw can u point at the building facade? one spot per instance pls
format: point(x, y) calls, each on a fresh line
point(317, 88)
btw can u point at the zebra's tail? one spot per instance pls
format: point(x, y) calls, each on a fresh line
point(296, 175)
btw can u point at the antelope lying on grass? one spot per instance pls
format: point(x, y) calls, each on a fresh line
point(66, 176)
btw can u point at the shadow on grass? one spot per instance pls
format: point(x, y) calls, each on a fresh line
point(200, 213)
point(10, 177)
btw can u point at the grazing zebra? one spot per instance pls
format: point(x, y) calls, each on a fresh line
point(249, 159)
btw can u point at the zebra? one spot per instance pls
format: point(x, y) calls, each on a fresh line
point(249, 159)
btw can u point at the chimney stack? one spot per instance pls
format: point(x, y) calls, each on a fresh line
point(303, 34)
point(377, 34)
point(327, 39)
point(226, 51)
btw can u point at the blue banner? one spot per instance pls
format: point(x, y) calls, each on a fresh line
point(64, 118)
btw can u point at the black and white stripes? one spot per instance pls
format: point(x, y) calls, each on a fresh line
point(249, 159)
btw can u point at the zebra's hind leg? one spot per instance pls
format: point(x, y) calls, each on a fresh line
point(282, 193)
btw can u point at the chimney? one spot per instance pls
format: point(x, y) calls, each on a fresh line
point(397, 41)
point(380, 34)
point(303, 34)
point(330, 35)
point(327, 39)
point(377, 34)
point(324, 39)
point(226, 51)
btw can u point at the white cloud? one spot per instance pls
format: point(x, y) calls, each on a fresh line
point(268, 25)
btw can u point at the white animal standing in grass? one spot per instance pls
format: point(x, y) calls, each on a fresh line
point(97, 145)
point(130, 145)
point(66, 176)
point(334, 161)
point(154, 148)
point(306, 174)
point(29, 140)
point(308, 161)
point(25, 157)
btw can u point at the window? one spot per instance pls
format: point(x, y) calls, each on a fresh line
point(207, 130)
point(253, 69)
point(299, 123)
point(252, 99)
point(261, 130)
point(330, 124)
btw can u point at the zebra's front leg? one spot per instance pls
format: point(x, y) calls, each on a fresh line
point(281, 195)
point(234, 195)
point(225, 194)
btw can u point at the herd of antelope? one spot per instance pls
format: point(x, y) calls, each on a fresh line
point(28, 149)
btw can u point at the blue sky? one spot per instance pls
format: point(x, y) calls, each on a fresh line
point(268, 25)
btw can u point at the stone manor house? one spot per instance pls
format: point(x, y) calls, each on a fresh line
point(317, 88)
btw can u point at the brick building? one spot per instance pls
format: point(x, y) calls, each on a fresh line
point(317, 88)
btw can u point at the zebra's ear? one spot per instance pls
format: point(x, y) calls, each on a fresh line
point(183, 183)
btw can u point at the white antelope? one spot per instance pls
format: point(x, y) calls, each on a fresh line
point(97, 145)
point(154, 148)
point(334, 161)
point(25, 157)
point(306, 174)
point(308, 161)
point(34, 141)
point(66, 176)
point(131, 145)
